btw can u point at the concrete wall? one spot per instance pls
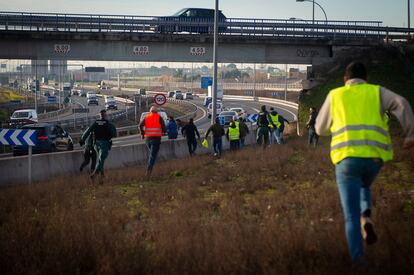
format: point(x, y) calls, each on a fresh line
point(14, 170)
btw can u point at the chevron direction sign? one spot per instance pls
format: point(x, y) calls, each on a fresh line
point(252, 118)
point(18, 137)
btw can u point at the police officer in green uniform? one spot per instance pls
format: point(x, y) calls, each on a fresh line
point(103, 132)
point(263, 122)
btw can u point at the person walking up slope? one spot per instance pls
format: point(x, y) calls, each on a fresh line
point(152, 128)
point(89, 154)
point(313, 137)
point(103, 131)
point(233, 134)
point(190, 131)
point(218, 133)
point(263, 122)
point(354, 115)
point(244, 131)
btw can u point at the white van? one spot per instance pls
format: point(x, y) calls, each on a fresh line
point(90, 94)
point(22, 117)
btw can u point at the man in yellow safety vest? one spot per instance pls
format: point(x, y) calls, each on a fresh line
point(354, 115)
point(233, 134)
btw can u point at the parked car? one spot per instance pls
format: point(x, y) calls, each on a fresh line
point(171, 94)
point(195, 20)
point(228, 116)
point(240, 112)
point(82, 93)
point(50, 138)
point(188, 95)
point(46, 93)
point(23, 117)
point(75, 92)
point(178, 95)
point(93, 100)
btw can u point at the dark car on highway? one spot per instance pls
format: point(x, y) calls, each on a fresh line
point(50, 138)
point(194, 20)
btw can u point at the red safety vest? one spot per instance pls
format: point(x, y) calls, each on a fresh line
point(152, 127)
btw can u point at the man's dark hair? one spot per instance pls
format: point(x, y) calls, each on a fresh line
point(263, 108)
point(191, 121)
point(356, 69)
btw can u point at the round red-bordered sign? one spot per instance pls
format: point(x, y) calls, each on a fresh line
point(160, 99)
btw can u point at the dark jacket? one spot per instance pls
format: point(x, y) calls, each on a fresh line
point(172, 129)
point(244, 130)
point(102, 129)
point(216, 129)
point(282, 121)
point(190, 131)
point(263, 120)
point(311, 121)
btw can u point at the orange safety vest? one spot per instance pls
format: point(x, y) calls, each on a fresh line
point(152, 127)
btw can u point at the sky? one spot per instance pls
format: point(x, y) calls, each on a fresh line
point(390, 12)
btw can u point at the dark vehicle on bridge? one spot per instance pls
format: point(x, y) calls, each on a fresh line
point(50, 138)
point(193, 20)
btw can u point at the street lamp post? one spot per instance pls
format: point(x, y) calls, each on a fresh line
point(408, 19)
point(214, 95)
point(313, 9)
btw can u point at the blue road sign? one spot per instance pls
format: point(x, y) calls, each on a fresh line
point(221, 120)
point(206, 81)
point(51, 99)
point(252, 118)
point(18, 137)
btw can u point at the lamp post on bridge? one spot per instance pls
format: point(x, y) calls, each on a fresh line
point(313, 9)
point(214, 95)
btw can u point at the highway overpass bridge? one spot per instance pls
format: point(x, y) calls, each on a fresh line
point(45, 36)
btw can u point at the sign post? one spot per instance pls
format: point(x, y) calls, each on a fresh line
point(20, 137)
point(160, 99)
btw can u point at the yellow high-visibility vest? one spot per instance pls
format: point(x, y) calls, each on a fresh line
point(275, 120)
point(234, 133)
point(358, 127)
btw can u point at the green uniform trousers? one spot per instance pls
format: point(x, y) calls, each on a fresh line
point(102, 150)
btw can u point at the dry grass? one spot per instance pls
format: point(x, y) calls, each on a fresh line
point(252, 212)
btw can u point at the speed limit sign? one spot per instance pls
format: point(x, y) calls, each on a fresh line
point(160, 99)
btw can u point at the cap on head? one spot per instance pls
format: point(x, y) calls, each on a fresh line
point(217, 120)
point(263, 108)
point(153, 109)
point(103, 111)
point(272, 109)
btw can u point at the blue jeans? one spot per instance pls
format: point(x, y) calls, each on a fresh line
point(153, 146)
point(354, 177)
point(218, 145)
point(275, 136)
point(313, 137)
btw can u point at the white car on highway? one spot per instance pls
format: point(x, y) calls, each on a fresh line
point(219, 109)
point(240, 112)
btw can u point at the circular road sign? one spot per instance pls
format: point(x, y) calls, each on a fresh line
point(160, 99)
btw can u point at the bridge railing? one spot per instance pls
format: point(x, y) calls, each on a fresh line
point(231, 26)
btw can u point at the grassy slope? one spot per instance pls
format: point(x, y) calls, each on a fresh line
point(6, 95)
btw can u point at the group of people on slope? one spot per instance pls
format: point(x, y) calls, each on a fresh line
point(270, 127)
